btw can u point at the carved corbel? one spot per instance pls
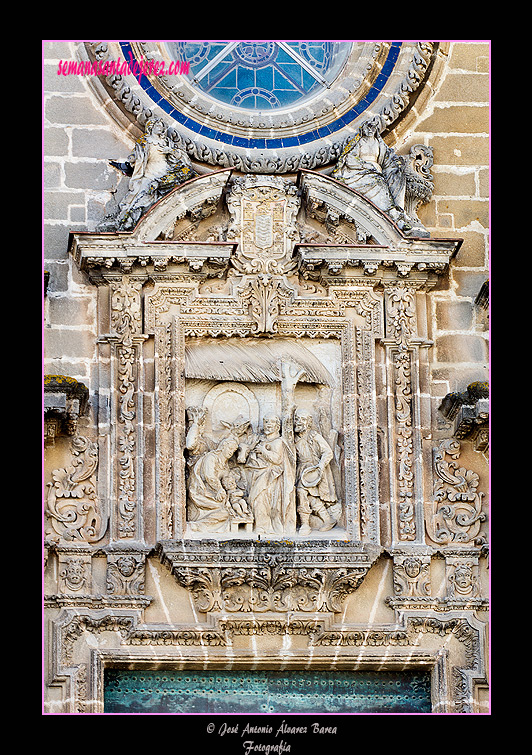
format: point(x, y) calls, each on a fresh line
point(469, 413)
point(262, 578)
point(419, 184)
point(269, 587)
point(263, 292)
point(462, 577)
point(65, 401)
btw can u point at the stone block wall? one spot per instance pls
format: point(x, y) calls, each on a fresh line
point(78, 184)
point(455, 123)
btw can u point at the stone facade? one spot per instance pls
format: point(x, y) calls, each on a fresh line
point(266, 393)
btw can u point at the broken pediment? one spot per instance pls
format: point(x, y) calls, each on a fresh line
point(263, 225)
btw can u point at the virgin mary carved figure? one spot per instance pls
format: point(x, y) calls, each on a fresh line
point(209, 505)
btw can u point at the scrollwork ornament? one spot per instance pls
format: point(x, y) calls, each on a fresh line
point(457, 506)
point(126, 319)
point(269, 587)
point(72, 506)
point(401, 327)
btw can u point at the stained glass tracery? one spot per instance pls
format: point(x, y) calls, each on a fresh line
point(261, 75)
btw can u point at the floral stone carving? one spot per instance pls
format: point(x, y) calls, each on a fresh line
point(457, 508)
point(72, 507)
point(253, 576)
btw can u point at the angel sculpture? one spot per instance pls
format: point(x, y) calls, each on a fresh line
point(155, 167)
point(373, 169)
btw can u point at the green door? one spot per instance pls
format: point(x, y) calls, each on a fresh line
point(289, 692)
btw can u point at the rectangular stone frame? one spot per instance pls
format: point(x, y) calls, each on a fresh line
point(437, 662)
point(171, 326)
point(451, 644)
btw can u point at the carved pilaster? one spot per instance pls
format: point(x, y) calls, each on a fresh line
point(367, 436)
point(126, 410)
point(401, 345)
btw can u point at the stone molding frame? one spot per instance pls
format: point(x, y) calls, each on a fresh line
point(164, 289)
point(457, 666)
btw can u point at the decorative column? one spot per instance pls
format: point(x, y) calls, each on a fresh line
point(402, 344)
point(126, 410)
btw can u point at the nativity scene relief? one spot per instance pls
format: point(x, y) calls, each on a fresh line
point(255, 461)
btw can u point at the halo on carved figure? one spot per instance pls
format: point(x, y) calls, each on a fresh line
point(265, 107)
point(231, 403)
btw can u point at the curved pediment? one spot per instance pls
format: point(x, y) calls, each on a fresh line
point(340, 201)
point(264, 223)
point(197, 197)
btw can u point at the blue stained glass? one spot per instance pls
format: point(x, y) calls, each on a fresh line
point(201, 53)
point(278, 78)
point(297, 692)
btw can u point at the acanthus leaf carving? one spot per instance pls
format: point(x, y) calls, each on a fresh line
point(126, 320)
point(269, 587)
point(457, 513)
point(72, 505)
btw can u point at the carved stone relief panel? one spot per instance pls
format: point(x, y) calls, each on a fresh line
point(74, 512)
point(262, 426)
point(456, 513)
point(75, 577)
point(262, 445)
point(125, 573)
point(265, 390)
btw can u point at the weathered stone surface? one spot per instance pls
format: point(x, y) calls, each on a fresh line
point(282, 457)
